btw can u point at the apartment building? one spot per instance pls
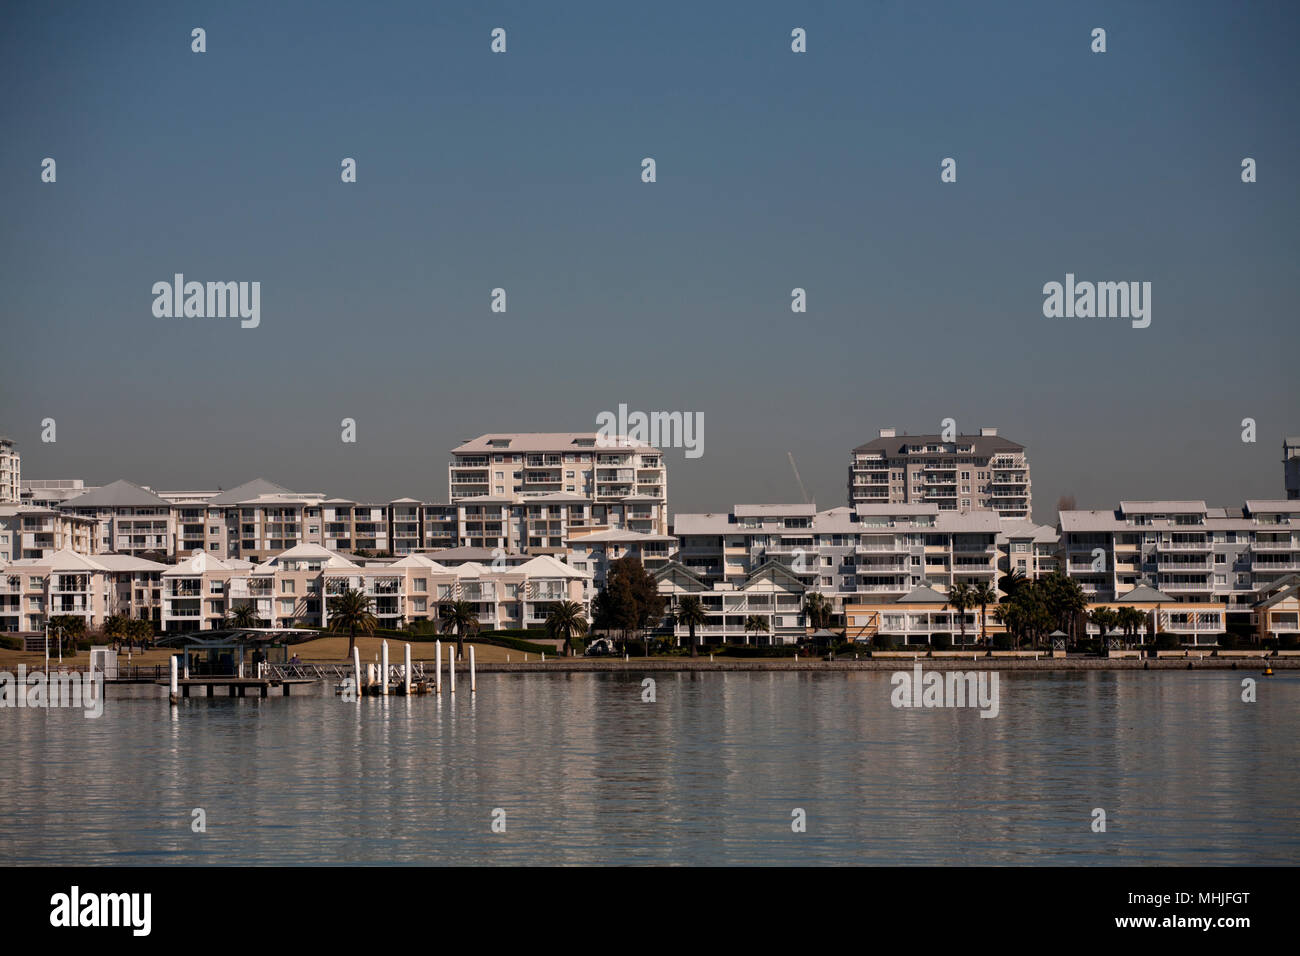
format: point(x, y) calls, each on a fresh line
point(11, 473)
point(983, 472)
point(1291, 467)
point(52, 492)
point(595, 552)
point(95, 588)
point(771, 594)
point(294, 587)
point(887, 549)
point(1185, 550)
point(28, 531)
point(130, 519)
point(625, 485)
point(1027, 549)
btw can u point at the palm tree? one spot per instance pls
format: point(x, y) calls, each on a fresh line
point(817, 608)
point(459, 616)
point(1105, 619)
point(350, 611)
point(691, 613)
point(755, 623)
point(1130, 619)
point(245, 615)
point(983, 595)
point(961, 598)
point(566, 619)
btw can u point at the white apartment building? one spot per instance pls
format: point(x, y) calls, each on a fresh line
point(625, 485)
point(11, 473)
point(1185, 549)
point(983, 472)
point(1291, 467)
point(130, 519)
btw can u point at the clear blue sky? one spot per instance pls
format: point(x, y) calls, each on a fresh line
point(775, 170)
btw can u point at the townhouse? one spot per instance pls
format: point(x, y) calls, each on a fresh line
point(65, 582)
point(969, 473)
point(295, 587)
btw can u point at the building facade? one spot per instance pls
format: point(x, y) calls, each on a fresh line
point(981, 472)
point(11, 473)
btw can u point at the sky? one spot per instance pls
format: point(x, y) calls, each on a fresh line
point(774, 170)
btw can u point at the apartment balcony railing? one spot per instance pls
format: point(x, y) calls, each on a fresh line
point(1185, 546)
point(1273, 546)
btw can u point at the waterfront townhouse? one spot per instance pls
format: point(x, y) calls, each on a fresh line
point(295, 587)
point(1184, 549)
point(29, 531)
point(970, 473)
point(1193, 620)
point(11, 473)
point(917, 618)
point(1277, 613)
point(771, 593)
point(33, 590)
point(625, 483)
point(130, 519)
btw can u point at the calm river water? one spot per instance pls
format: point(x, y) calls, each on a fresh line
point(709, 773)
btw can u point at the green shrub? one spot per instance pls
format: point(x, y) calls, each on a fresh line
point(11, 643)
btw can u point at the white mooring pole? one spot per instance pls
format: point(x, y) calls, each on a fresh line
point(451, 670)
point(356, 671)
point(473, 684)
point(437, 666)
point(175, 691)
point(406, 673)
point(383, 670)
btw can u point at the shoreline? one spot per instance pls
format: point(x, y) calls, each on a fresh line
point(580, 665)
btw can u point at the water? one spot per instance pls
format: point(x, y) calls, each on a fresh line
point(708, 774)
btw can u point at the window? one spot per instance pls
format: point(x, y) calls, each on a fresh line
point(421, 584)
point(215, 587)
point(286, 587)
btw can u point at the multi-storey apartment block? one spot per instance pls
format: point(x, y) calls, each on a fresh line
point(33, 590)
point(130, 519)
point(1184, 549)
point(11, 473)
point(1027, 549)
point(295, 586)
point(28, 531)
point(981, 472)
point(625, 484)
point(596, 551)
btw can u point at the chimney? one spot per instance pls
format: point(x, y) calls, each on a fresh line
point(988, 432)
point(887, 432)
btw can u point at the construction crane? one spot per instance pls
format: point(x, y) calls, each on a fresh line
point(804, 490)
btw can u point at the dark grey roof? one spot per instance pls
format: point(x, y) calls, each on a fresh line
point(923, 595)
point(1144, 593)
point(248, 490)
point(985, 445)
point(120, 494)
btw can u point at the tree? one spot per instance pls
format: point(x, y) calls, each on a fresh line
point(1130, 620)
point(458, 616)
point(1064, 599)
point(245, 615)
point(67, 627)
point(566, 619)
point(1104, 619)
point(630, 599)
point(961, 598)
point(350, 611)
point(983, 595)
point(691, 613)
point(817, 609)
point(756, 624)
point(116, 628)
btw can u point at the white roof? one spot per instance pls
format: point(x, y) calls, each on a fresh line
point(307, 552)
point(545, 566)
point(126, 562)
point(61, 560)
point(542, 442)
point(197, 563)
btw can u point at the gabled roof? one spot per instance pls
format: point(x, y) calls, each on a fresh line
point(119, 494)
point(61, 560)
point(773, 569)
point(1290, 589)
point(247, 491)
point(330, 560)
point(197, 563)
point(419, 561)
point(923, 594)
point(545, 566)
point(620, 535)
point(1143, 594)
point(126, 562)
point(673, 568)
